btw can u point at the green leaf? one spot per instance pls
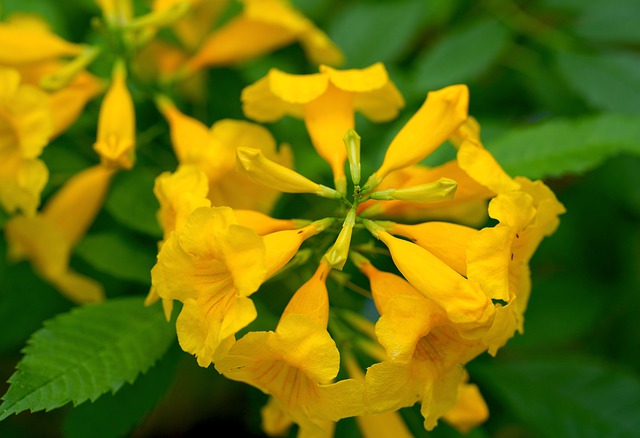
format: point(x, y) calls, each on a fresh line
point(80, 355)
point(559, 147)
point(607, 81)
point(609, 21)
point(459, 56)
point(567, 397)
point(378, 32)
point(132, 203)
point(114, 415)
point(123, 258)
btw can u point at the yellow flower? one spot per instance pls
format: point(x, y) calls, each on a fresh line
point(262, 27)
point(464, 302)
point(212, 267)
point(442, 112)
point(25, 128)
point(116, 123)
point(30, 41)
point(327, 101)
point(263, 224)
point(297, 363)
point(178, 194)
point(47, 239)
point(498, 257)
point(426, 352)
point(214, 152)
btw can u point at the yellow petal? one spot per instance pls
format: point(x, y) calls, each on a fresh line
point(73, 208)
point(21, 182)
point(312, 298)
point(179, 194)
point(445, 240)
point(32, 44)
point(481, 166)
point(67, 104)
point(116, 124)
point(78, 288)
point(274, 421)
point(328, 118)
point(469, 411)
point(206, 326)
point(442, 112)
point(489, 256)
point(465, 303)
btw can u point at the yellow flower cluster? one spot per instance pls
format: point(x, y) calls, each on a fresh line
point(454, 292)
point(446, 289)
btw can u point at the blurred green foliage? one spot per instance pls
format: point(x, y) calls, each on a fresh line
point(555, 85)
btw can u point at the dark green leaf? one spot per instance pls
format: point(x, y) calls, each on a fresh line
point(460, 56)
point(81, 355)
point(565, 397)
point(377, 32)
point(566, 146)
point(607, 81)
point(114, 415)
point(116, 255)
point(132, 203)
point(609, 21)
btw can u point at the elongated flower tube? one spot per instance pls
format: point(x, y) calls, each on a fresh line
point(263, 26)
point(25, 128)
point(116, 123)
point(327, 101)
point(212, 267)
point(47, 239)
point(264, 224)
point(213, 150)
point(442, 113)
point(271, 174)
point(296, 363)
point(465, 303)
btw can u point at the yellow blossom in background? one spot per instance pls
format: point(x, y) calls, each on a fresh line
point(262, 27)
point(327, 102)
point(25, 129)
point(213, 150)
point(48, 238)
point(31, 41)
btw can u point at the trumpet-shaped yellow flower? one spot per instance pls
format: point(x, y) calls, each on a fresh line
point(297, 363)
point(465, 303)
point(426, 353)
point(262, 27)
point(498, 257)
point(25, 128)
point(214, 152)
point(327, 101)
point(47, 239)
point(30, 41)
point(212, 267)
point(442, 113)
point(117, 124)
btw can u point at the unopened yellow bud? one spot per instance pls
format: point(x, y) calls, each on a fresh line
point(337, 255)
point(436, 191)
point(271, 174)
point(352, 142)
